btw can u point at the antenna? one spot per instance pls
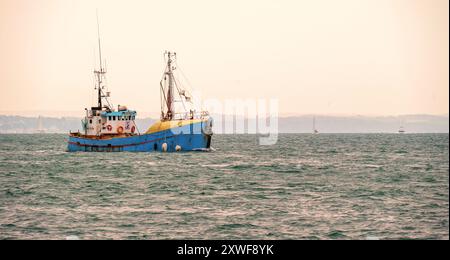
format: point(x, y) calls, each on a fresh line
point(99, 43)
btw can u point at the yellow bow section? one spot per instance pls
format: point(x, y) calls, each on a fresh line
point(165, 125)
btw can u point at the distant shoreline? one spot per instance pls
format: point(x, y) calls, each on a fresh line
point(299, 124)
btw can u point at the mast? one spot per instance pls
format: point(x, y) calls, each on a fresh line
point(170, 92)
point(101, 72)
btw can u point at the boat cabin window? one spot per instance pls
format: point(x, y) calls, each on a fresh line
point(121, 118)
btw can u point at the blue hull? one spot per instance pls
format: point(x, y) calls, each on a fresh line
point(188, 141)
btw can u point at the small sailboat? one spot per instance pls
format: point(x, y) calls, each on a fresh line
point(315, 131)
point(106, 129)
point(40, 129)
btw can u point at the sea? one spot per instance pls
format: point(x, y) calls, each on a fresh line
point(325, 186)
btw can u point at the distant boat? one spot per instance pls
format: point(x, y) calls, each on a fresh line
point(315, 131)
point(40, 129)
point(402, 130)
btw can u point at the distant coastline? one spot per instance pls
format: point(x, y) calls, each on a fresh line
point(291, 124)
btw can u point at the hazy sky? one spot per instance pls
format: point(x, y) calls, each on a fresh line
point(366, 57)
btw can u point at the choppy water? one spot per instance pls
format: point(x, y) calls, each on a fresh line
point(305, 187)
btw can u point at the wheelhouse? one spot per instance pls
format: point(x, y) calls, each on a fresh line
point(119, 122)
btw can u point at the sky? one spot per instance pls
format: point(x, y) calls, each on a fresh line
point(324, 57)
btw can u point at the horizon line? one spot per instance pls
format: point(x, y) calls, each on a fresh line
point(71, 114)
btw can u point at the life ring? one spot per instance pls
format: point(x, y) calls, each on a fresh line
point(119, 129)
point(133, 128)
point(109, 127)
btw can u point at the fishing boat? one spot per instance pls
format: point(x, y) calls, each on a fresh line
point(106, 129)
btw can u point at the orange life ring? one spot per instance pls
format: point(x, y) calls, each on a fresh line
point(133, 128)
point(119, 129)
point(109, 127)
